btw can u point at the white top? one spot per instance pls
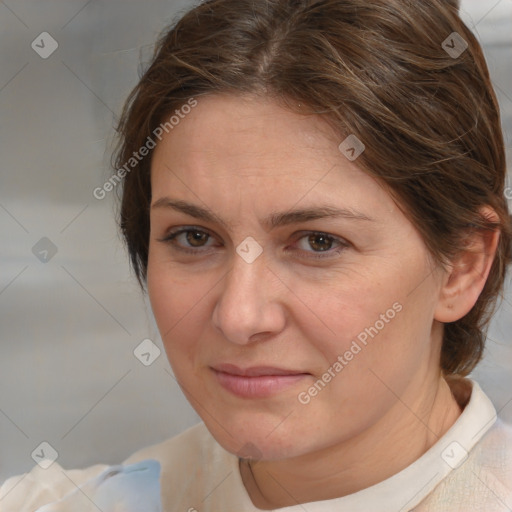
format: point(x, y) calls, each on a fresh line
point(468, 470)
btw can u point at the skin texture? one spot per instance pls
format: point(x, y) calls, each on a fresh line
point(244, 158)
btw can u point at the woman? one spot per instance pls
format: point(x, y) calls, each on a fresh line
point(314, 200)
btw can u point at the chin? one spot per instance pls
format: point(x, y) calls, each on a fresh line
point(250, 439)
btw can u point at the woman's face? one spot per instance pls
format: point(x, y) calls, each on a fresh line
point(288, 331)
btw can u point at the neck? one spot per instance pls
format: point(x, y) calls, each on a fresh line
point(400, 438)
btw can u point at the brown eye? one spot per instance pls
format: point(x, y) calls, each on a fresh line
point(197, 238)
point(320, 242)
point(316, 243)
point(190, 240)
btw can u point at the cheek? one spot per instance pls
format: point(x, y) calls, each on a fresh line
point(346, 308)
point(177, 307)
point(365, 321)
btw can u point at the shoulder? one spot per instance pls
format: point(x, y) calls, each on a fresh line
point(195, 443)
point(27, 492)
point(130, 488)
point(498, 436)
point(483, 482)
point(54, 485)
point(191, 463)
point(199, 474)
point(480, 478)
point(493, 460)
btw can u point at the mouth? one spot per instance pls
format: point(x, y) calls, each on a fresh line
point(256, 381)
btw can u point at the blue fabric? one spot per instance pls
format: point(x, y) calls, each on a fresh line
point(130, 488)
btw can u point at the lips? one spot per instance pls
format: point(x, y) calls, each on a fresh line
point(254, 371)
point(256, 381)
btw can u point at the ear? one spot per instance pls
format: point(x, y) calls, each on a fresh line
point(466, 277)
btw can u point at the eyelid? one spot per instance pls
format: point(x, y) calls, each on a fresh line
point(174, 232)
point(184, 229)
point(171, 235)
point(343, 244)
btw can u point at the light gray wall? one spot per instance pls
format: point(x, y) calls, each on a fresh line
point(69, 326)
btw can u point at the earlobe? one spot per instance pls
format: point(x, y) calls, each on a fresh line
point(465, 280)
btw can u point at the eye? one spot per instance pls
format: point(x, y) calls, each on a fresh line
point(186, 239)
point(322, 244)
point(190, 240)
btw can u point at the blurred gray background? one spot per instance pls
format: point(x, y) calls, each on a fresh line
point(71, 314)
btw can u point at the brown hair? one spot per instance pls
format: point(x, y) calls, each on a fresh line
point(374, 68)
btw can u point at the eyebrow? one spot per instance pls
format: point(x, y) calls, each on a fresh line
point(274, 220)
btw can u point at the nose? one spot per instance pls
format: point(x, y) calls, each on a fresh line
point(249, 307)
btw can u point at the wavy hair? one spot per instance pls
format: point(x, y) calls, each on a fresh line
point(378, 69)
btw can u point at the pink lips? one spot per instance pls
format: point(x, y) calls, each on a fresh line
point(256, 381)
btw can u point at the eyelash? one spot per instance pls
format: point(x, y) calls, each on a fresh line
point(172, 235)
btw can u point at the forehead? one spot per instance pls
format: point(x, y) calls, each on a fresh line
point(248, 148)
point(250, 128)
